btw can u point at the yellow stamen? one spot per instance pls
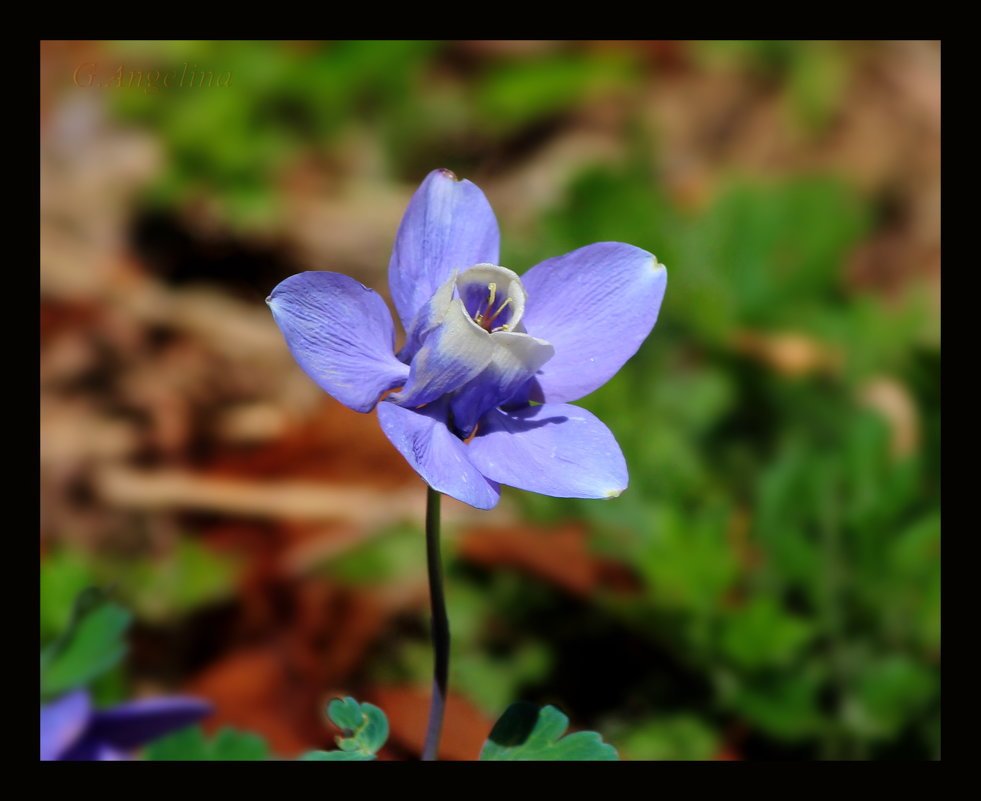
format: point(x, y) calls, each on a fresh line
point(492, 293)
point(499, 310)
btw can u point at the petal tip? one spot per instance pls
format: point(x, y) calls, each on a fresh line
point(616, 493)
point(447, 173)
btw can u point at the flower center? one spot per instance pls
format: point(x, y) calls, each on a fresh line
point(492, 296)
point(487, 317)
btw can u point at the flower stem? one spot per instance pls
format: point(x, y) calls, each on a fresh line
point(440, 627)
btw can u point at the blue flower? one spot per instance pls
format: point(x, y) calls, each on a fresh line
point(72, 730)
point(490, 360)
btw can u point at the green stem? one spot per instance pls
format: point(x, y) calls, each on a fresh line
point(440, 627)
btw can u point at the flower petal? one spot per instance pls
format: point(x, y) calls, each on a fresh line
point(89, 750)
point(455, 352)
point(596, 305)
point(342, 335)
point(448, 226)
point(554, 449)
point(515, 359)
point(422, 437)
point(137, 722)
point(62, 723)
point(432, 313)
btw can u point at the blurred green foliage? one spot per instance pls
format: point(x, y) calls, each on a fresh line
point(523, 92)
point(811, 74)
point(284, 102)
point(290, 102)
point(786, 553)
point(678, 737)
point(160, 588)
point(91, 644)
point(192, 745)
point(490, 668)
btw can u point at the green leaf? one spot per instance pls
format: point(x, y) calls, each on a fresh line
point(762, 634)
point(92, 644)
point(671, 737)
point(162, 588)
point(528, 733)
point(891, 692)
point(336, 756)
point(64, 574)
point(784, 706)
point(815, 81)
point(392, 552)
point(365, 730)
point(190, 745)
point(186, 745)
point(518, 94)
point(231, 745)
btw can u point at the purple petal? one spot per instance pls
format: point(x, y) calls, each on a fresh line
point(553, 449)
point(515, 359)
point(89, 750)
point(133, 724)
point(427, 319)
point(342, 335)
point(448, 226)
point(455, 352)
point(62, 723)
point(422, 437)
point(596, 305)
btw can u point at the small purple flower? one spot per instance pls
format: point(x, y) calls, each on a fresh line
point(72, 730)
point(482, 345)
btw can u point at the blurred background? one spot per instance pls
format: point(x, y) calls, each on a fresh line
point(768, 586)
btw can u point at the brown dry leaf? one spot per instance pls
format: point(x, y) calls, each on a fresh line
point(560, 557)
point(250, 422)
point(726, 754)
point(275, 688)
point(74, 434)
point(252, 689)
point(333, 444)
point(176, 490)
point(787, 352)
point(891, 260)
point(363, 505)
point(332, 630)
point(464, 729)
point(894, 402)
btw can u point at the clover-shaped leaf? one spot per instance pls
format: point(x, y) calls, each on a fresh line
point(365, 730)
point(527, 733)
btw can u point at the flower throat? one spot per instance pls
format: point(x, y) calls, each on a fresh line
point(485, 318)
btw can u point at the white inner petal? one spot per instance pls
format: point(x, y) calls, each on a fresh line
point(500, 293)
